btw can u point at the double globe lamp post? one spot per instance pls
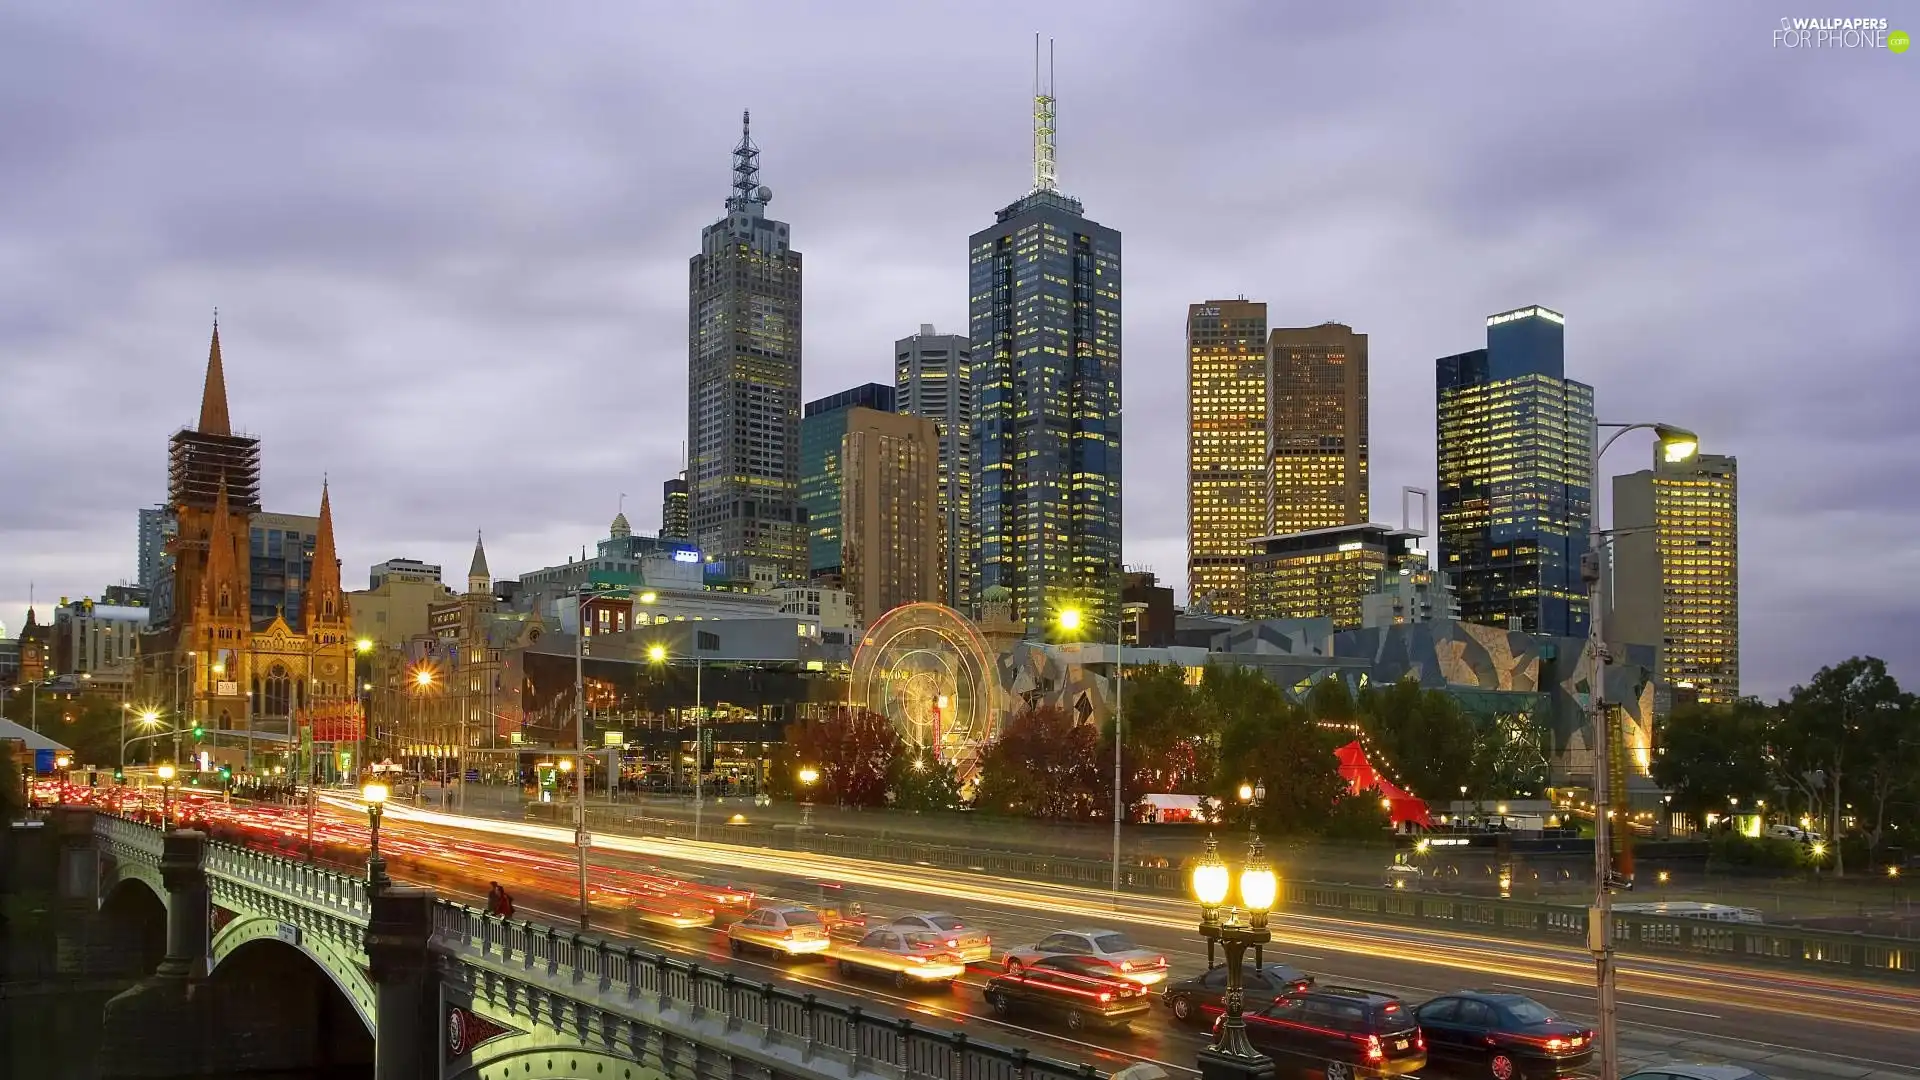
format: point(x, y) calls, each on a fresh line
point(1236, 929)
point(375, 794)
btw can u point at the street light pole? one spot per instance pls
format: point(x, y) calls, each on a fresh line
point(1232, 1056)
point(1119, 681)
point(1600, 919)
point(580, 838)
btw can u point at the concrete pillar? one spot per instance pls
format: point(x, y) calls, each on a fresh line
point(405, 994)
point(183, 868)
point(79, 868)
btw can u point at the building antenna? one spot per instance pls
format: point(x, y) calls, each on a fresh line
point(1043, 166)
point(622, 507)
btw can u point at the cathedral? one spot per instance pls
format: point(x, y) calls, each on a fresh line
point(258, 687)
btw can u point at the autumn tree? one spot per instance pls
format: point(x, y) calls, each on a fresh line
point(854, 752)
point(1045, 764)
point(1707, 755)
point(1170, 741)
point(919, 783)
point(1831, 730)
point(1427, 739)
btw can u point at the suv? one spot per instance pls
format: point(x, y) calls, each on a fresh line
point(1341, 1031)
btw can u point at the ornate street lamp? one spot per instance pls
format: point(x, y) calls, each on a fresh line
point(165, 773)
point(1232, 1056)
point(809, 776)
point(375, 794)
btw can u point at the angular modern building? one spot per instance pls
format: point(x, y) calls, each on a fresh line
point(743, 381)
point(673, 509)
point(1327, 573)
point(822, 433)
point(1227, 502)
point(933, 377)
point(1676, 570)
point(1515, 464)
point(1316, 428)
point(1044, 310)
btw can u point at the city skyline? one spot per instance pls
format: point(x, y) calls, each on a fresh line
point(420, 331)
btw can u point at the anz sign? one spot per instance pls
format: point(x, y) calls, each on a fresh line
point(686, 555)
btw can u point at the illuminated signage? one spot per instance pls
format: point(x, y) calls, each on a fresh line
point(1353, 545)
point(1206, 311)
point(685, 555)
point(1527, 313)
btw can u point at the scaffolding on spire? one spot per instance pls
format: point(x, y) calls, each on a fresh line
point(746, 170)
point(1044, 176)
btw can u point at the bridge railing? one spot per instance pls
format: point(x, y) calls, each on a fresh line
point(314, 886)
point(846, 1033)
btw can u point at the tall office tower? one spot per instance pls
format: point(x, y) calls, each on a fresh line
point(157, 526)
point(743, 381)
point(891, 540)
point(822, 472)
point(1676, 569)
point(1044, 306)
point(1516, 459)
point(933, 377)
point(1316, 428)
point(673, 508)
point(1226, 447)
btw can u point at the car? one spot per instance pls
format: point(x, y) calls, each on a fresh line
point(1680, 1071)
point(1503, 1035)
point(910, 958)
point(1118, 951)
point(1197, 1000)
point(948, 931)
point(1082, 990)
point(784, 929)
point(1339, 1031)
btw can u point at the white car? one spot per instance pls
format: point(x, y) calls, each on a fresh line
point(947, 932)
point(786, 929)
point(1127, 959)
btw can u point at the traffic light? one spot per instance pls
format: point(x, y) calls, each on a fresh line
point(119, 776)
point(198, 731)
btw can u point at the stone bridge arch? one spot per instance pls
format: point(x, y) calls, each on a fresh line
point(117, 873)
point(343, 969)
point(523, 1057)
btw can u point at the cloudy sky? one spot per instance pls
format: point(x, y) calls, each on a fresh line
point(448, 243)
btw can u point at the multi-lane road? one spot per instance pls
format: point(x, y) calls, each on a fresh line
point(1788, 1025)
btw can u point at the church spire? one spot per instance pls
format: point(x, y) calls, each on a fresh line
point(323, 605)
point(479, 580)
point(223, 588)
point(213, 398)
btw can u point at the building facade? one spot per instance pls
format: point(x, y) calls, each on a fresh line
point(403, 570)
point(822, 432)
point(1044, 300)
point(280, 561)
point(673, 509)
point(1416, 594)
point(892, 546)
point(157, 526)
point(1676, 570)
point(743, 383)
point(1316, 428)
point(1327, 573)
point(933, 377)
point(1515, 464)
point(99, 641)
point(1227, 500)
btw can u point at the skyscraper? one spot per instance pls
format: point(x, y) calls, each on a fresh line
point(933, 377)
point(1226, 448)
point(822, 475)
point(1044, 307)
point(743, 382)
point(1316, 428)
point(673, 508)
point(157, 526)
point(891, 538)
point(1676, 570)
point(1515, 461)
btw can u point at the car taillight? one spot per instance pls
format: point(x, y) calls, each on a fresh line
point(1159, 961)
point(953, 944)
point(1104, 996)
point(1419, 1040)
point(1556, 1044)
point(1126, 965)
point(1374, 1053)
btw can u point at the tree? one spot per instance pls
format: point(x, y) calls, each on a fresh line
point(88, 723)
point(920, 784)
point(1270, 742)
point(1832, 724)
point(1706, 756)
point(12, 799)
point(1170, 739)
point(1045, 764)
point(854, 752)
point(1425, 735)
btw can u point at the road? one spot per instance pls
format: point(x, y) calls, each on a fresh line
point(1788, 1025)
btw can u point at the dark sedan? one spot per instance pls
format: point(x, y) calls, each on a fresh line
point(1197, 1000)
point(1505, 1036)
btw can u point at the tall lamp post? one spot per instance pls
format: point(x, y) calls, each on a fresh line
point(657, 654)
point(809, 776)
point(1232, 1056)
point(1071, 620)
point(165, 772)
point(1676, 445)
point(582, 842)
point(375, 793)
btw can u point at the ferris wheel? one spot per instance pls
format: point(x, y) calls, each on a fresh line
point(926, 668)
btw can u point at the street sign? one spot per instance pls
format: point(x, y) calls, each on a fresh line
point(473, 776)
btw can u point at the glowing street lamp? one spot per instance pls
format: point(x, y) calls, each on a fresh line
point(165, 773)
point(1069, 619)
point(375, 794)
point(363, 646)
point(1232, 1056)
point(809, 776)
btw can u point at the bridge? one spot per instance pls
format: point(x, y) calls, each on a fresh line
point(267, 963)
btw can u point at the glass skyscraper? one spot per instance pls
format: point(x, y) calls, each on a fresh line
point(1227, 437)
point(1044, 291)
point(823, 474)
point(743, 382)
point(1515, 462)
